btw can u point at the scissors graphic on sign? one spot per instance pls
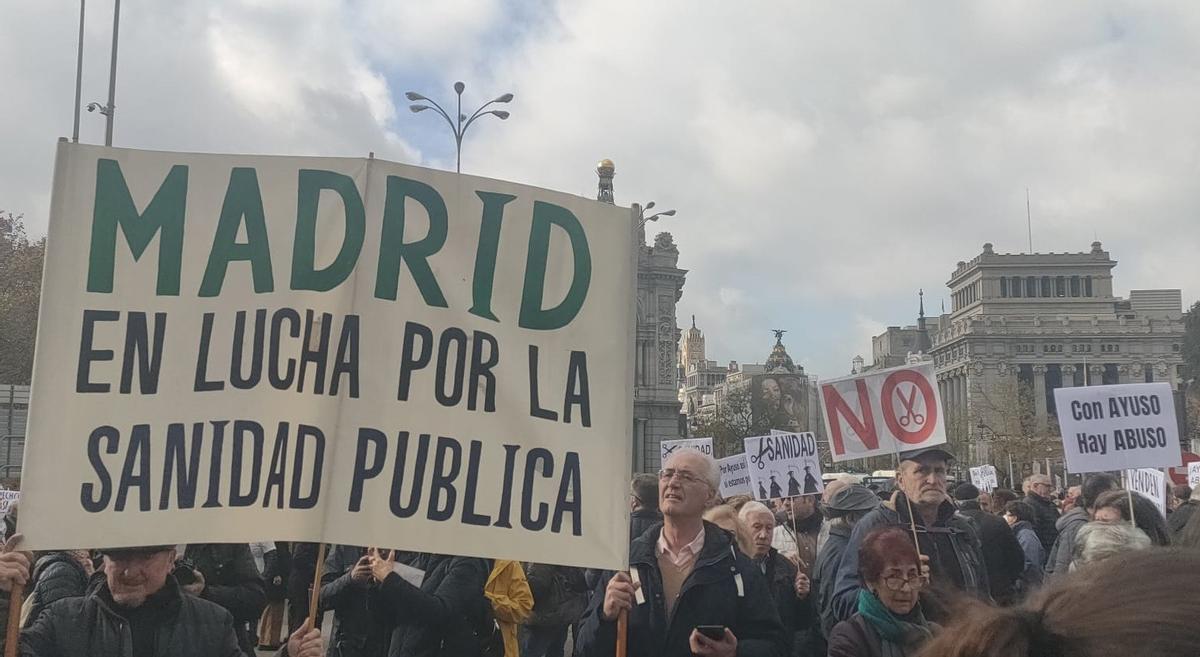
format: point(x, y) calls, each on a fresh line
point(911, 415)
point(671, 449)
point(758, 458)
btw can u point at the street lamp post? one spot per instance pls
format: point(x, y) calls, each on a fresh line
point(459, 127)
point(654, 217)
point(110, 109)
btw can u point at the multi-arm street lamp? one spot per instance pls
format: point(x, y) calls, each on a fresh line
point(459, 127)
point(654, 217)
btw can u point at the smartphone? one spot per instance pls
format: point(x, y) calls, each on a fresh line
point(714, 632)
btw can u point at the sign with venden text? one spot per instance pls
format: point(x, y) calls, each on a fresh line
point(236, 348)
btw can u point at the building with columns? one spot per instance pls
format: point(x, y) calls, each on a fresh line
point(1025, 324)
point(698, 376)
point(656, 406)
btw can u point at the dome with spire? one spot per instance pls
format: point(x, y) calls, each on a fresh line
point(779, 360)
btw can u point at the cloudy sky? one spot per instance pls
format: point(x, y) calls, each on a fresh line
point(827, 159)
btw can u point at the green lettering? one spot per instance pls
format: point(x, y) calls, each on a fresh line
point(485, 253)
point(242, 200)
point(393, 249)
point(114, 207)
point(304, 275)
point(533, 316)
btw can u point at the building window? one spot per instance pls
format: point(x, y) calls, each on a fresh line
point(1081, 348)
point(1175, 347)
point(1046, 286)
point(1110, 348)
point(1074, 286)
point(1110, 376)
point(1016, 286)
point(1148, 373)
point(1030, 286)
point(1052, 349)
point(1060, 286)
point(1087, 286)
point(1003, 287)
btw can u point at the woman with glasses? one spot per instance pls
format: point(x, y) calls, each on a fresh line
point(889, 621)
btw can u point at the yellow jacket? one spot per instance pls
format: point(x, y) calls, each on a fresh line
point(511, 599)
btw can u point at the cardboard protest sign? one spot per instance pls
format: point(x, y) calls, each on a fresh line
point(1151, 483)
point(702, 445)
point(1118, 427)
point(7, 499)
point(1194, 474)
point(883, 412)
point(784, 465)
point(984, 477)
point(329, 349)
point(735, 476)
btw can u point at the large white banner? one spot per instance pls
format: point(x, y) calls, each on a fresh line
point(784, 465)
point(883, 412)
point(1149, 482)
point(1118, 427)
point(238, 348)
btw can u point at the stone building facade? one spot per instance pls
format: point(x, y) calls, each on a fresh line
point(656, 407)
point(1040, 321)
point(698, 376)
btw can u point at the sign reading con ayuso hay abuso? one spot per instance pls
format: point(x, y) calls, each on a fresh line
point(1150, 482)
point(984, 477)
point(1118, 427)
point(784, 465)
point(354, 351)
point(735, 476)
point(883, 412)
point(669, 447)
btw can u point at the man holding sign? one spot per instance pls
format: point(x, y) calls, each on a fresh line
point(946, 540)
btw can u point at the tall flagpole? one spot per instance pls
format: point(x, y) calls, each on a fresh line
point(78, 74)
point(112, 75)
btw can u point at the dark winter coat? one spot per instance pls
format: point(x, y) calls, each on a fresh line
point(1180, 516)
point(231, 579)
point(1063, 550)
point(857, 638)
point(55, 576)
point(445, 616)
point(799, 617)
point(1031, 546)
point(825, 573)
point(356, 631)
point(641, 520)
point(559, 594)
point(1045, 518)
point(95, 626)
point(709, 596)
point(952, 545)
point(301, 572)
point(1002, 555)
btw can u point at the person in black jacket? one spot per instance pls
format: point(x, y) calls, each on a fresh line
point(345, 589)
point(790, 588)
point(1038, 490)
point(689, 574)
point(1002, 555)
point(643, 504)
point(299, 582)
point(225, 573)
point(445, 615)
point(56, 575)
point(559, 599)
point(844, 509)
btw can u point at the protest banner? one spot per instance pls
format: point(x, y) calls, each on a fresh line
point(1194, 474)
point(735, 476)
point(702, 445)
point(7, 499)
point(781, 459)
point(984, 477)
point(883, 412)
point(1118, 427)
point(1149, 482)
point(329, 349)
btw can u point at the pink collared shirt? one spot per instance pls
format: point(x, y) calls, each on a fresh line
point(686, 555)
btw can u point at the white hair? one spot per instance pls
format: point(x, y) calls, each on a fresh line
point(751, 508)
point(1096, 541)
point(711, 471)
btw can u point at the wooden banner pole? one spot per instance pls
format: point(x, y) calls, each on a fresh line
point(314, 599)
point(12, 634)
point(622, 633)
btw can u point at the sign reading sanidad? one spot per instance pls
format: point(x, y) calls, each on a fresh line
point(238, 348)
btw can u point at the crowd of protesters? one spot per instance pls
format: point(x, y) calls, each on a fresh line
point(926, 571)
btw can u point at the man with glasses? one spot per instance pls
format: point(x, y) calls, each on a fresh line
point(1038, 492)
point(689, 590)
point(947, 541)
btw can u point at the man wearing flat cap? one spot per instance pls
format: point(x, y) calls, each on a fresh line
point(848, 505)
point(948, 540)
point(139, 609)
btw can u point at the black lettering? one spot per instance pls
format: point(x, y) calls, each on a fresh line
point(412, 360)
point(469, 517)
point(346, 363)
point(186, 467)
point(303, 432)
point(202, 383)
point(577, 377)
point(240, 429)
point(137, 343)
point(535, 409)
point(458, 338)
point(91, 500)
point(236, 377)
point(443, 478)
point(277, 473)
point(87, 355)
point(414, 498)
point(528, 520)
point(214, 467)
point(282, 381)
point(510, 463)
point(362, 471)
point(574, 505)
point(481, 371)
point(319, 355)
point(136, 471)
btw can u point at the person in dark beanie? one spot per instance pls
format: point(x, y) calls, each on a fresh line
point(844, 509)
point(1002, 555)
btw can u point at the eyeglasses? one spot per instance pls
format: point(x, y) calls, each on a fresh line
point(896, 583)
point(683, 476)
